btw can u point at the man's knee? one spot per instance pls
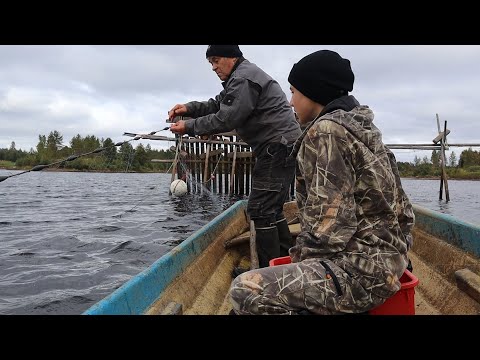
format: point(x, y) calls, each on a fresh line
point(259, 217)
point(239, 293)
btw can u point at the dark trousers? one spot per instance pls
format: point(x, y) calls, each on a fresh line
point(272, 177)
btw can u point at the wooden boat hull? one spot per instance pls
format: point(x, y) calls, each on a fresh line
point(194, 277)
point(443, 247)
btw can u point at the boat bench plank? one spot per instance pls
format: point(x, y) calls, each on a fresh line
point(469, 282)
point(294, 230)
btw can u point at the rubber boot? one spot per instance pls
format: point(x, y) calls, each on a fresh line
point(238, 270)
point(285, 237)
point(409, 266)
point(268, 245)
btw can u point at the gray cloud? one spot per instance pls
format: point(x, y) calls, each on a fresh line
point(107, 90)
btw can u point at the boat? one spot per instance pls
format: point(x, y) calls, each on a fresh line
point(195, 276)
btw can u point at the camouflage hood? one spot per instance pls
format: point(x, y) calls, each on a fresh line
point(345, 103)
point(358, 120)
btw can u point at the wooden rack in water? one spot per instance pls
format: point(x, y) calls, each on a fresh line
point(220, 163)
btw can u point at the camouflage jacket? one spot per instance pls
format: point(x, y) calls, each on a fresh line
point(353, 209)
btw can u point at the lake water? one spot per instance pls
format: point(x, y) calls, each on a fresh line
point(67, 240)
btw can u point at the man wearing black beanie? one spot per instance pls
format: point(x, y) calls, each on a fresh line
point(253, 104)
point(355, 218)
point(322, 76)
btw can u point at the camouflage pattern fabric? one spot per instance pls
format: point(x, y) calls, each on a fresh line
point(293, 288)
point(354, 215)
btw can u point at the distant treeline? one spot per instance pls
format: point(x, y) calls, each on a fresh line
point(467, 167)
point(50, 149)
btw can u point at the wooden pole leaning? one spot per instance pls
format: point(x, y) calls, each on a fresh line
point(253, 247)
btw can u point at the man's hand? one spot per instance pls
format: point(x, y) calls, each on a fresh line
point(178, 127)
point(177, 110)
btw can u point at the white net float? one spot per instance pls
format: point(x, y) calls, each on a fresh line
point(178, 187)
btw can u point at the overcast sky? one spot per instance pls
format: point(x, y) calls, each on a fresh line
point(108, 90)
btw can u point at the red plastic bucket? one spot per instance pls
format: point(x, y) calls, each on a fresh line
point(403, 302)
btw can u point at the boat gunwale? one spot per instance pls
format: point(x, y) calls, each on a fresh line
point(461, 234)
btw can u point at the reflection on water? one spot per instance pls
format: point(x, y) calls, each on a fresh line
point(70, 239)
point(444, 207)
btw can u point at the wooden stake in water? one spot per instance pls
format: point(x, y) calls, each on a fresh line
point(443, 174)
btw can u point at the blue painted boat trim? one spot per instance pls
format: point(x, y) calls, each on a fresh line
point(461, 234)
point(140, 292)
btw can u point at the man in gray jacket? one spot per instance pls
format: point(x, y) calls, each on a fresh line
point(253, 104)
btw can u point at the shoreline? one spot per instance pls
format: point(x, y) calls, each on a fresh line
point(160, 172)
point(436, 178)
point(83, 171)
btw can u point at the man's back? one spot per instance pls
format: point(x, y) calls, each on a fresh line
point(272, 117)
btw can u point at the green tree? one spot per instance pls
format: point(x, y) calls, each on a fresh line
point(77, 144)
point(42, 143)
point(126, 154)
point(416, 160)
point(42, 149)
point(405, 168)
point(11, 154)
point(54, 143)
point(140, 157)
point(90, 143)
point(469, 158)
point(453, 159)
point(141, 154)
point(110, 152)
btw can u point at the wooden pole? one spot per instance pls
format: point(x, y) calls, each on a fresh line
point(219, 173)
point(185, 139)
point(213, 181)
point(237, 177)
point(198, 147)
point(253, 247)
point(444, 172)
point(248, 171)
point(207, 156)
point(233, 168)
point(241, 177)
point(226, 166)
point(441, 153)
point(190, 168)
point(174, 167)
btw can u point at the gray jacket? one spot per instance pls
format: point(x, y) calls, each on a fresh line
point(252, 103)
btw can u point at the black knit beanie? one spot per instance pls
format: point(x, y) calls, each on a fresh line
point(230, 51)
point(322, 76)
